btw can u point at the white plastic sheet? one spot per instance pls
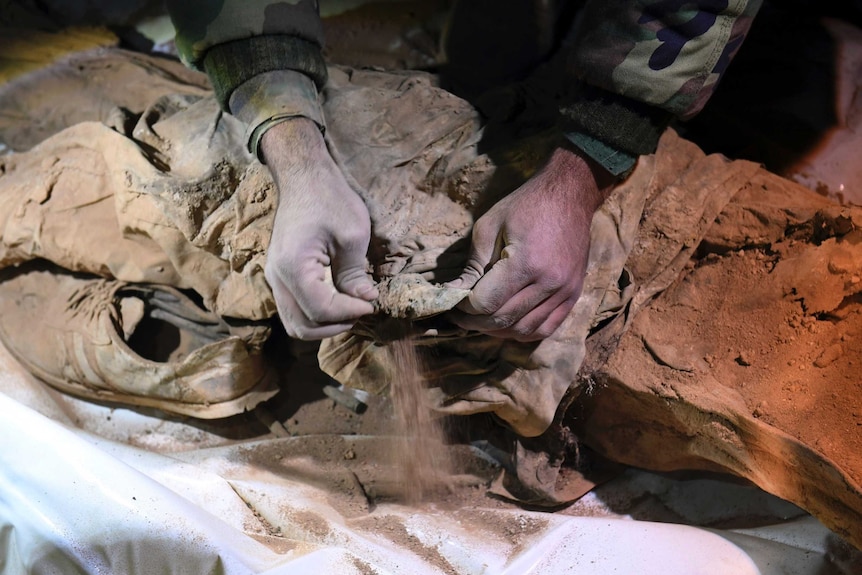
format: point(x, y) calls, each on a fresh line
point(74, 502)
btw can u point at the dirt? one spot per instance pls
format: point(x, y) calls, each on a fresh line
point(789, 349)
point(420, 455)
point(363, 567)
point(746, 363)
point(516, 530)
point(394, 529)
point(780, 326)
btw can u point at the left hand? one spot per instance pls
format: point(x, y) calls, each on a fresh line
point(530, 250)
point(320, 223)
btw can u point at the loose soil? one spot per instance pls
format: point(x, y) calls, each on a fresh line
point(796, 366)
point(421, 455)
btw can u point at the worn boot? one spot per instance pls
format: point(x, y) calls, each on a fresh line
point(134, 344)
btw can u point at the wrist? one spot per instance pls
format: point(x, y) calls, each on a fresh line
point(580, 166)
point(301, 165)
point(294, 139)
point(269, 99)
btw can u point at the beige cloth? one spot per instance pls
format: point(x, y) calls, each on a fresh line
point(171, 196)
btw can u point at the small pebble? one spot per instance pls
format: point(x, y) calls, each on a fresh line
point(758, 410)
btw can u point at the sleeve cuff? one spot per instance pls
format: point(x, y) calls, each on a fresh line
point(271, 98)
point(617, 162)
point(232, 64)
point(616, 122)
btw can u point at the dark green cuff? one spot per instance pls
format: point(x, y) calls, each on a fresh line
point(615, 161)
point(619, 123)
point(231, 64)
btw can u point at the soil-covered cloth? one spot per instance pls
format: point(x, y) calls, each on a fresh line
point(169, 195)
point(747, 362)
point(718, 306)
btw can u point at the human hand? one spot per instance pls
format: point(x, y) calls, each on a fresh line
point(530, 250)
point(320, 223)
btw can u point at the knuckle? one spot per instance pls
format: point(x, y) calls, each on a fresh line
point(351, 243)
point(525, 338)
point(543, 332)
point(554, 278)
point(485, 308)
point(532, 269)
point(317, 316)
point(471, 274)
point(522, 331)
point(483, 228)
point(353, 236)
point(503, 321)
point(277, 268)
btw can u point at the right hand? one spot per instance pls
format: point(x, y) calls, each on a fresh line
point(320, 223)
point(530, 251)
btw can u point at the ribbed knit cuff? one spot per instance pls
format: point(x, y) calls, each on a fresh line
point(619, 123)
point(231, 64)
point(271, 98)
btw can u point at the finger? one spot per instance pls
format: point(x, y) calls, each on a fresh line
point(484, 250)
point(519, 305)
point(538, 324)
point(296, 324)
point(321, 303)
point(350, 278)
point(499, 286)
point(466, 280)
point(314, 300)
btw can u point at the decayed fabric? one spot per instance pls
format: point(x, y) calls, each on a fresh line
point(80, 334)
point(87, 85)
point(171, 196)
point(746, 362)
point(174, 201)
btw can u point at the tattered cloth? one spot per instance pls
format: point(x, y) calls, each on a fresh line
point(168, 195)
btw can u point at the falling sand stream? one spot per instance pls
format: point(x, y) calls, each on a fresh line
point(421, 456)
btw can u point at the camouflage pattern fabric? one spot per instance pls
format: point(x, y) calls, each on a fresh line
point(666, 53)
point(202, 24)
point(235, 41)
point(630, 66)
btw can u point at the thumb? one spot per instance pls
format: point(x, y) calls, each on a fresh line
point(350, 278)
point(466, 280)
point(473, 270)
point(484, 250)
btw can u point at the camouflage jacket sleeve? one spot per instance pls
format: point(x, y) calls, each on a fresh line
point(641, 63)
point(263, 57)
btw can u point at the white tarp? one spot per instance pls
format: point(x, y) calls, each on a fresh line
point(72, 501)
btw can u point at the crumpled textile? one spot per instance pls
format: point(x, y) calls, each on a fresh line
point(172, 201)
point(747, 363)
point(83, 86)
point(522, 383)
point(171, 196)
point(97, 338)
